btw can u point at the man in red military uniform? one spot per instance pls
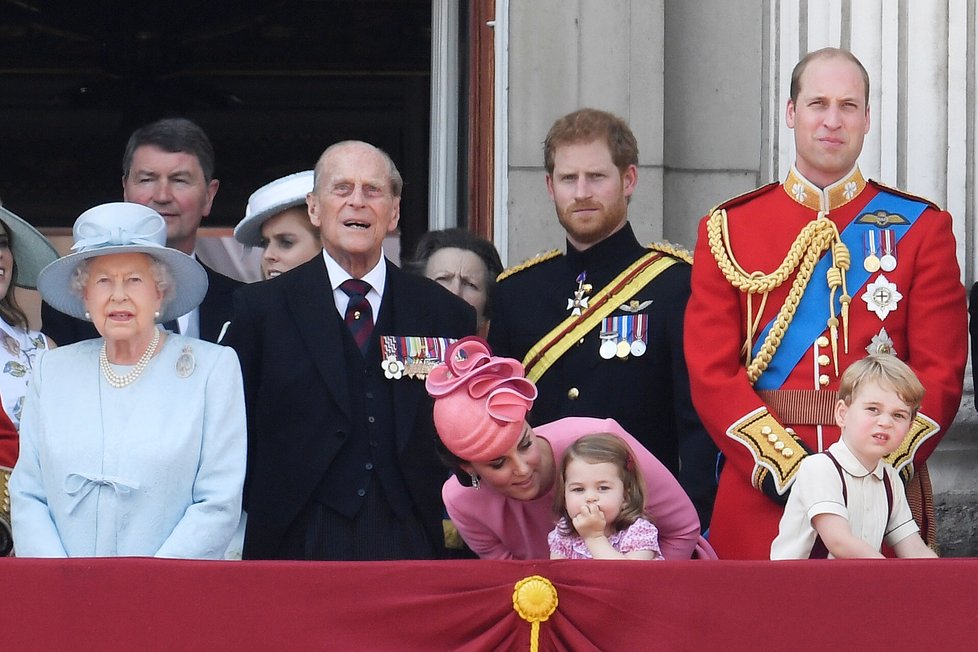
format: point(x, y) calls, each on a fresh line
point(795, 281)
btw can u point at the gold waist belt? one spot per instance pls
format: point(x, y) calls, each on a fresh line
point(801, 407)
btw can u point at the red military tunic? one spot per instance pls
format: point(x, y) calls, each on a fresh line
point(926, 328)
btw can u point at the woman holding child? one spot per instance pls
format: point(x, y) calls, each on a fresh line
point(501, 498)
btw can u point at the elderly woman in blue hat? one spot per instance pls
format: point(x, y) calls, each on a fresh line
point(132, 444)
point(276, 219)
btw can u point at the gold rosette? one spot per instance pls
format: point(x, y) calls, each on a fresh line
point(534, 599)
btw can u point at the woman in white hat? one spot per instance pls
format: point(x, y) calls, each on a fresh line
point(276, 220)
point(132, 444)
point(23, 252)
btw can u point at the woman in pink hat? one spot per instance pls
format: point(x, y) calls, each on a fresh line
point(502, 494)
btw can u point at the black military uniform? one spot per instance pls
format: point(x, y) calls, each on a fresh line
point(646, 391)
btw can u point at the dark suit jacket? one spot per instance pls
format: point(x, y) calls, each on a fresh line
point(286, 333)
point(648, 395)
point(215, 311)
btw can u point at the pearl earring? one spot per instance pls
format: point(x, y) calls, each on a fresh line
point(88, 315)
point(157, 314)
point(475, 480)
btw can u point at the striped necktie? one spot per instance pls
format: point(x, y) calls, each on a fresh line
point(359, 316)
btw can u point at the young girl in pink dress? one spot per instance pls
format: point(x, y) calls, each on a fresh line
point(600, 501)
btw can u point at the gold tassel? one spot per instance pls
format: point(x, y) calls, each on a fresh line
point(534, 599)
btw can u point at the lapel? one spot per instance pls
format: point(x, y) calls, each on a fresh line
point(310, 299)
point(406, 318)
point(204, 312)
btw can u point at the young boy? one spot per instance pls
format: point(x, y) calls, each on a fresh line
point(878, 400)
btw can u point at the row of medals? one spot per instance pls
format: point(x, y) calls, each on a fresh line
point(872, 262)
point(612, 346)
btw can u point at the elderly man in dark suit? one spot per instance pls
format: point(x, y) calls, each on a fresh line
point(341, 459)
point(169, 166)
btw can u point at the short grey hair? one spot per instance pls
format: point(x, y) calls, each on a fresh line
point(162, 276)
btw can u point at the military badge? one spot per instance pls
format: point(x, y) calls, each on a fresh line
point(578, 302)
point(882, 297)
point(881, 343)
point(882, 219)
point(393, 368)
point(413, 357)
point(871, 261)
point(624, 335)
point(635, 306)
point(888, 261)
point(609, 344)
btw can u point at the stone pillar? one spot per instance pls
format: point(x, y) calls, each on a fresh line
point(568, 54)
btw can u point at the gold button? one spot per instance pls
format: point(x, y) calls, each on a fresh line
point(580, 341)
point(823, 360)
point(573, 393)
point(790, 431)
point(823, 380)
point(822, 341)
point(766, 430)
point(779, 445)
point(772, 438)
point(787, 452)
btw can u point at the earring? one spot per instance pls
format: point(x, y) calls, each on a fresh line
point(475, 480)
point(157, 314)
point(88, 315)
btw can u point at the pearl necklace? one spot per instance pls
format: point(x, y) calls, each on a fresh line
point(115, 379)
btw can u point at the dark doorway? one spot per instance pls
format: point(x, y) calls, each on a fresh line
point(273, 83)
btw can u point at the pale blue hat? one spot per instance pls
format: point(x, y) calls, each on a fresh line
point(122, 228)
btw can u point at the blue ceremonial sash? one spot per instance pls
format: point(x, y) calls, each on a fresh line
point(810, 318)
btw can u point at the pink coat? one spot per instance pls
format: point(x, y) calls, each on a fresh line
point(497, 527)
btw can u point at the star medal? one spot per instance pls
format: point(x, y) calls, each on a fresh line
point(871, 262)
point(881, 296)
point(186, 363)
point(579, 302)
point(881, 343)
point(608, 344)
point(888, 261)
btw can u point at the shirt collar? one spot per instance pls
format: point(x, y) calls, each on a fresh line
point(827, 199)
point(852, 465)
point(611, 251)
point(376, 277)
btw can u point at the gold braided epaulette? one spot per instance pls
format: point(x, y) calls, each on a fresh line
point(529, 262)
point(672, 250)
point(743, 197)
point(904, 193)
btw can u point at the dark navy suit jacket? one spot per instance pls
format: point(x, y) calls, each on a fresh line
point(287, 334)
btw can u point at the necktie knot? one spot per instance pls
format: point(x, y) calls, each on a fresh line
point(355, 288)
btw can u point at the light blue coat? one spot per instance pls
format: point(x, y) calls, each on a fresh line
point(152, 469)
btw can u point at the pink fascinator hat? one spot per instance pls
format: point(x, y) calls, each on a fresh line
point(481, 400)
